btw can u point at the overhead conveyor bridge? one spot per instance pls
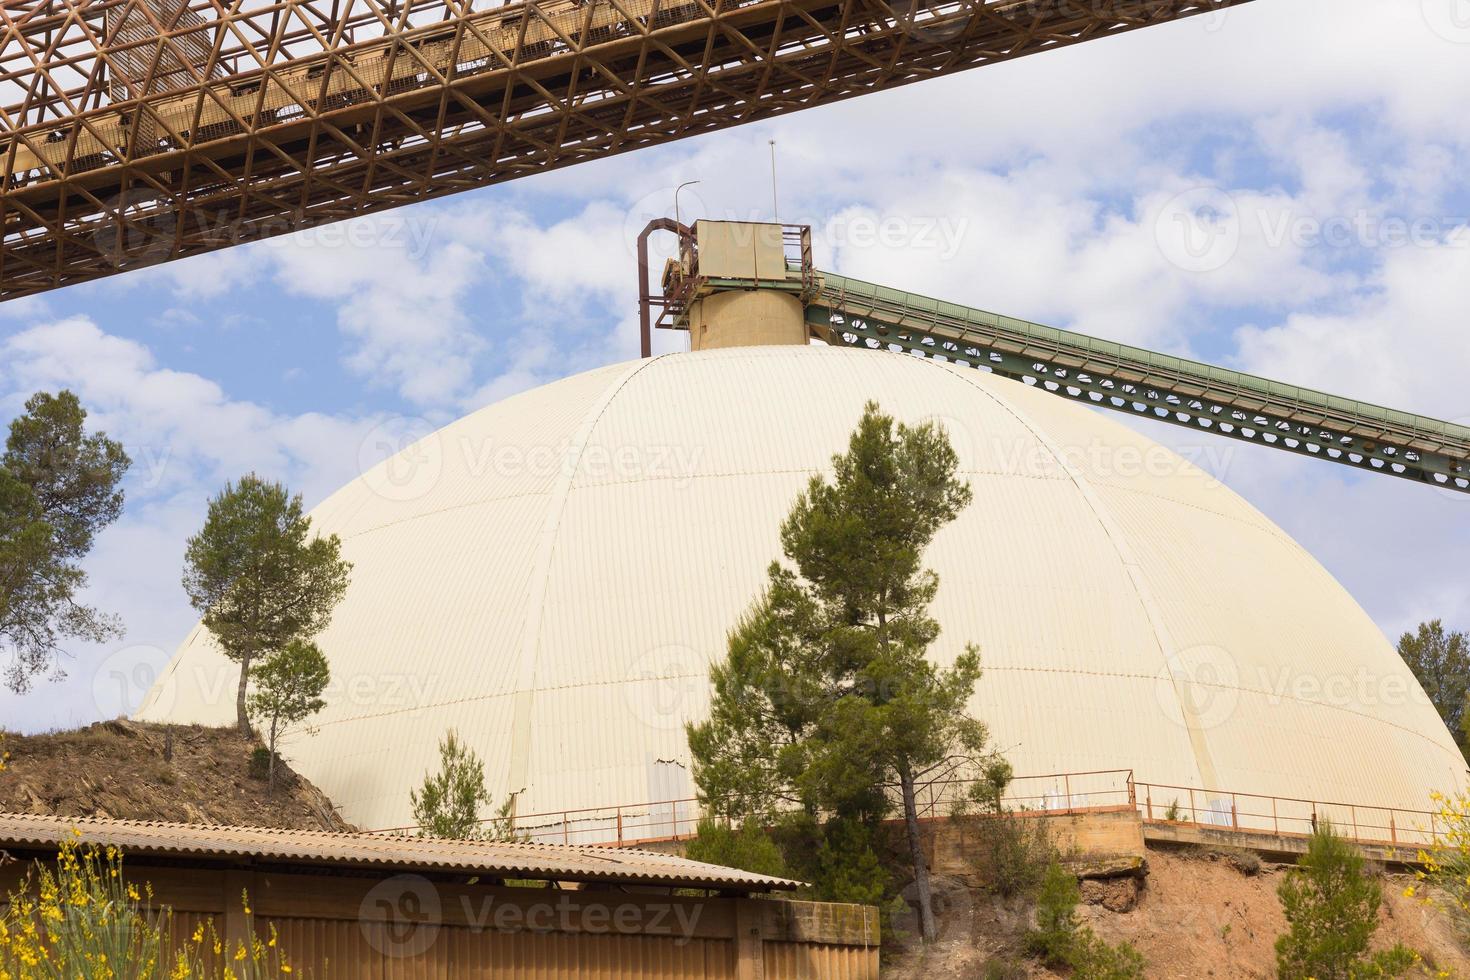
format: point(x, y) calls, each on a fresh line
point(850, 312)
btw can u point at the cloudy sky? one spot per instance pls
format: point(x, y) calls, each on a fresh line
point(1316, 144)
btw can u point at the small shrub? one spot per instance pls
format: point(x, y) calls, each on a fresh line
point(1331, 903)
point(747, 847)
point(1246, 862)
point(1013, 852)
point(1012, 849)
point(1003, 968)
point(1060, 942)
point(1056, 917)
point(260, 763)
point(1173, 813)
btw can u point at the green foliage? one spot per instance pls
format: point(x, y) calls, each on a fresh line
point(1053, 938)
point(1011, 852)
point(747, 846)
point(848, 868)
point(1440, 661)
point(58, 489)
point(261, 762)
point(259, 577)
point(448, 805)
point(1004, 968)
point(1173, 813)
point(288, 689)
point(1094, 959)
point(1331, 903)
point(1060, 942)
point(827, 695)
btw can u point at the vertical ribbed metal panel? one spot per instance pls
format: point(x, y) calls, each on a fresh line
point(324, 948)
point(819, 961)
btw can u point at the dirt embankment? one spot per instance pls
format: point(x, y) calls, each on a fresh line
point(133, 771)
point(1196, 915)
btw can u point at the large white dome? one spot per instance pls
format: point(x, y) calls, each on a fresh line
point(552, 575)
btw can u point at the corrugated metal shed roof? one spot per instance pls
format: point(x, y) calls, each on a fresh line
point(263, 845)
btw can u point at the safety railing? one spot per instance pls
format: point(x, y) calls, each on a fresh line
point(1055, 794)
point(1287, 816)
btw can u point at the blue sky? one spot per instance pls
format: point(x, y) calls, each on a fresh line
point(1280, 188)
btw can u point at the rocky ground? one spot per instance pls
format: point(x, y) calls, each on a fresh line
point(1195, 914)
point(134, 771)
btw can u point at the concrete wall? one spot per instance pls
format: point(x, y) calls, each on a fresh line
point(1092, 842)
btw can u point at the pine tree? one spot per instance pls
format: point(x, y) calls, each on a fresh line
point(1440, 661)
point(448, 804)
point(288, 689)
point(827, 698)
point(1331, 903)
point(259, 576)
point(58, 489)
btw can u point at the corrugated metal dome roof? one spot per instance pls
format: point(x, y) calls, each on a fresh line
point(552, 575)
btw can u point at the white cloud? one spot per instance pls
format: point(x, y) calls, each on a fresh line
point(186, 437)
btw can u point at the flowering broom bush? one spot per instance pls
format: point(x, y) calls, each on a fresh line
point(1446, 865)
point(83, 919)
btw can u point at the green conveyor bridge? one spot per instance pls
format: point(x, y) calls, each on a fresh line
point(849, 312)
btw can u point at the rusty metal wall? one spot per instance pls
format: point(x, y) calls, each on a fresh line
point(819, 961)
point(349, 948)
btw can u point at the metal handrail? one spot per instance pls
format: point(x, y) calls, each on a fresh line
point(1091, 791)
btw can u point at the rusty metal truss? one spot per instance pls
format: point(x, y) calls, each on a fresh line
point(137, 131)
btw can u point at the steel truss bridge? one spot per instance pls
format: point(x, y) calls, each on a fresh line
point(849, 312)
point(137, 131)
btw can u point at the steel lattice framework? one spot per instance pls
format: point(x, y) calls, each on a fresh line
point(137, 131)
point(1204, 397)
